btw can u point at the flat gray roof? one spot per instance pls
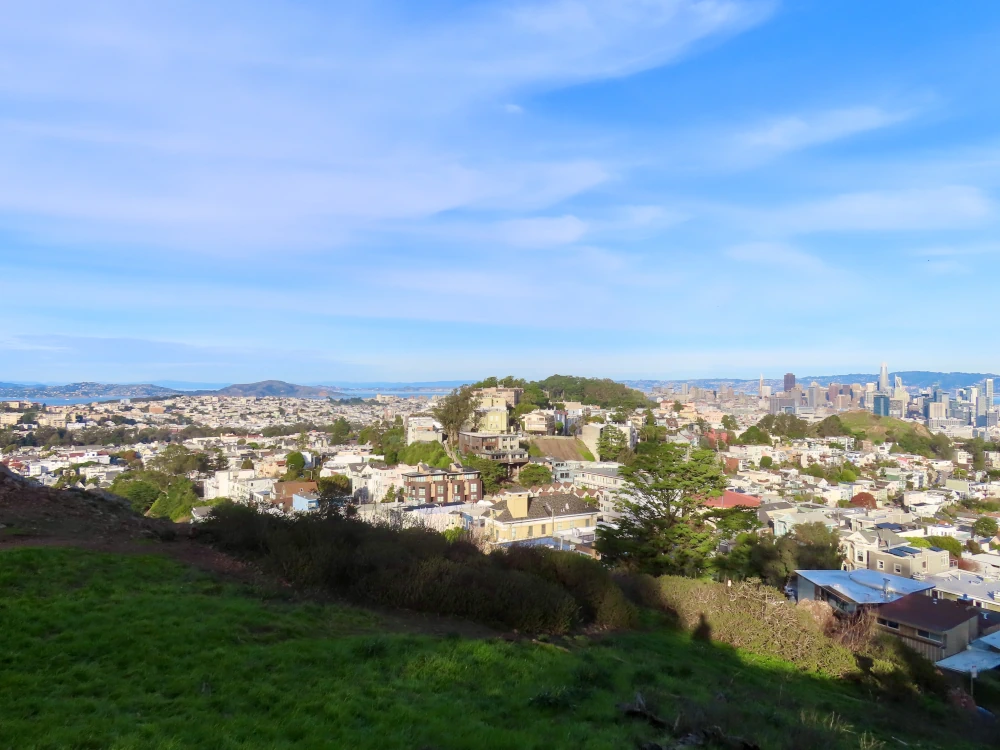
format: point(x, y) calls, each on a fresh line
point(865, 586)
point(964, 661)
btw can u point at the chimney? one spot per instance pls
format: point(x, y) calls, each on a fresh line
point(517, 504)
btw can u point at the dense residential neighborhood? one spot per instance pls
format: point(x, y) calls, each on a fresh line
point(890, 515)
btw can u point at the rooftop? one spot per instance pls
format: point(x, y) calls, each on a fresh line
point(559, 505)
point(865, 586)
point(963, 583)
point(964, 661)
point(927, 613)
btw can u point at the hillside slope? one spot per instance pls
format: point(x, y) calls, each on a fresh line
point(879, 427)
point(139, 651)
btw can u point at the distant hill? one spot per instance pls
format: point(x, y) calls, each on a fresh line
point(273, 388)
point(83, 390)
point(98, 391)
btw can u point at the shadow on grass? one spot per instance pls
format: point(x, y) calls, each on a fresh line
point(105, 651)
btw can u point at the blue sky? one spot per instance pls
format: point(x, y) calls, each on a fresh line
point(233, 191)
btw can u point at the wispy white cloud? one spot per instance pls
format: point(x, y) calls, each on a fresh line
point(949, 207)
point(217, 128)
point(773, 254)
point(541, 231)
point(801, 131)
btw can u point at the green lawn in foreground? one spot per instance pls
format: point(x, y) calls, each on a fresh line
point(105, 651)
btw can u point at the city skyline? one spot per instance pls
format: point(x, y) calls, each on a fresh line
point(625, 189)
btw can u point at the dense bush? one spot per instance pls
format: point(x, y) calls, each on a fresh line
point(420, 569)
point(589, 582)
point(747, 615)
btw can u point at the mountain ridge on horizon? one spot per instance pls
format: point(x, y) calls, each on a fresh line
point(264, 388)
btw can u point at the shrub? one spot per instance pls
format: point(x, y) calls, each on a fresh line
point(601, 600)
point(753, 617)
point(484, 593)
point(416, 568)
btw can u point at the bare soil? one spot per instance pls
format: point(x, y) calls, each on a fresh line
point(563, 448)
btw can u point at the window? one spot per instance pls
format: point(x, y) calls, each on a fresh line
point(888, 623)
point(422, 492)
point(936, 637)
point(897, 568)
point(881, 564)
point(531, 531)
point(860, 557)
point(543, 529)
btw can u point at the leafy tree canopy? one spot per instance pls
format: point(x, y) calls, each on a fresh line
point(663, 529)
point(534, 474)
point(493, 473)
point(455, 410)
point(985, 526)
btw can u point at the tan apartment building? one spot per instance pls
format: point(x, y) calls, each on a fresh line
point(520, 516)
point(910, 562)
point(453, 485)
point(510, 396)
point(494, 420)
point(538, 423)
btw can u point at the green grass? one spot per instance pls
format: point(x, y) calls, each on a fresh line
point(104, 651)
point(877, 427)
point(584, 451)
point(534, 451)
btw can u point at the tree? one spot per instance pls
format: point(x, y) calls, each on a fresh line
point(985, 526)
point(663, 529)
point(247, 464)
point(810, 546)
point(455, 410)
point(177, 502)
point(612, 444)
point(334, 494)
point(729, 422)
point(493, 473)
point(817, 547)
point(340, 431)
point(177, 460)
point(140, 493)
point(766, 462)
point(758, 557)
point(831, 427)
point(393, 495)
point(534, 474)
point(219, 461)
point(621, 415)
point(678, 407)
point(755, 435)
point(295, 464)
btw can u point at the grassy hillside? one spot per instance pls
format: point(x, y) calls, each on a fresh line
point(105, 651)
point(878, 427)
